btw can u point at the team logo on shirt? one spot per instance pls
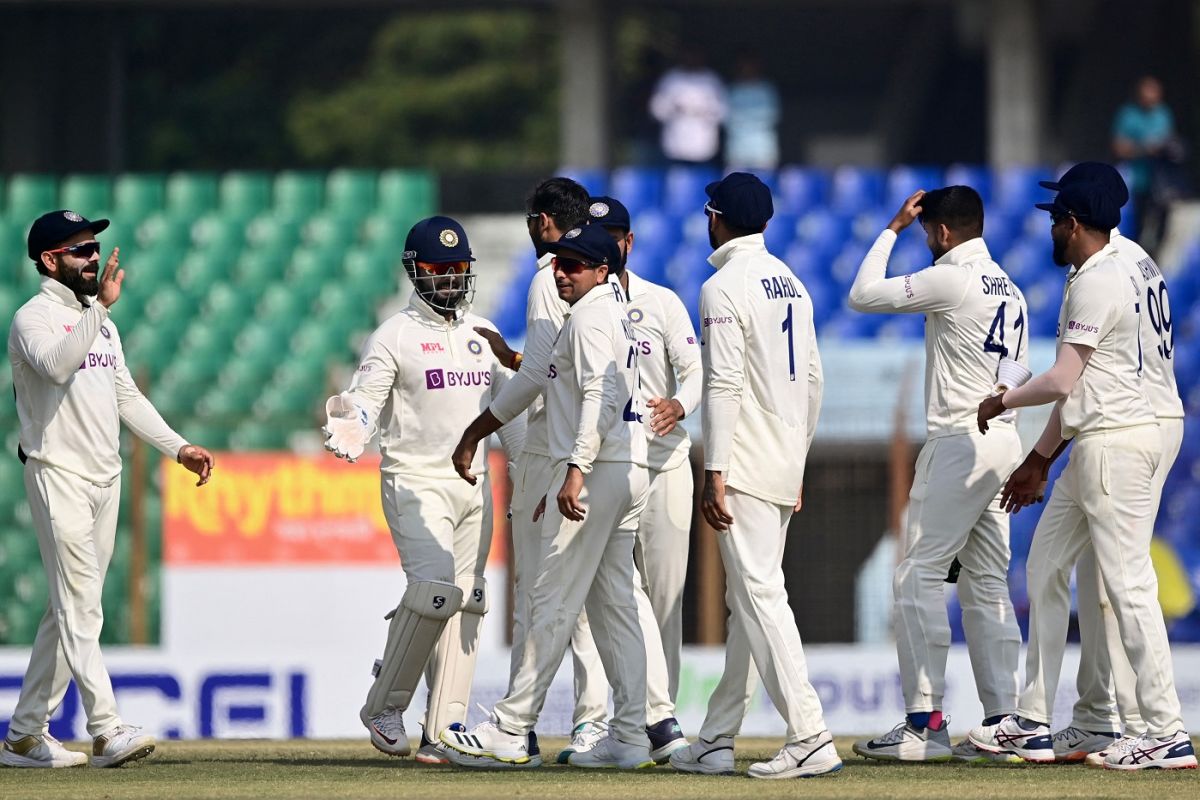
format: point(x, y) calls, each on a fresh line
point(636, 315)
point(448, 238)
point(598, 210)
point(474, 346)
point(431, 347)
point(571, 234)
point(105, 332)
point(71, 216)
point(451, 378)
point(1080, 326)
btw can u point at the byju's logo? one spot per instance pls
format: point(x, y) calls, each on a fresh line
point(435, 379)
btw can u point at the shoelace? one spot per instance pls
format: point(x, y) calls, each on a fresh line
point(1126, 744)
point(1067, 734)
point(895, 735)
point(389, 722)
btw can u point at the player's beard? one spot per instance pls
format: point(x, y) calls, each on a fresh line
point(712, 235)
point(1060, 252)
point(76, 281)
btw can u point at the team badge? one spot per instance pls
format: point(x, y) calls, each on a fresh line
point(474, 346)
point(571, 234)
point(105, 332)
point(635, 315)
point(448, 237)
point(71, 216)
point(598, 210)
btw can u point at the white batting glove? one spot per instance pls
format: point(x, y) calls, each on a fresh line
point(346, 428)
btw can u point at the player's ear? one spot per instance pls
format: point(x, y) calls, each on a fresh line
point(943, 235)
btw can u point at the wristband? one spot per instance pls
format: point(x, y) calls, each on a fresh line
point(516, 362)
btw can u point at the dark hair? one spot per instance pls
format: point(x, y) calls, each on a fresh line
point(561, 199)
point(959, 208)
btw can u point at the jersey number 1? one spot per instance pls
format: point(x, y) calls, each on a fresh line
point(994, 343)
point(791, 339)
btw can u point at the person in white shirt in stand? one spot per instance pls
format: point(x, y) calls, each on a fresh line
point(689, 101)
point(421, 371)
point(73, 391)
point(597, 441)
point(761, 398)
point(1105, 497)
point(975, 316)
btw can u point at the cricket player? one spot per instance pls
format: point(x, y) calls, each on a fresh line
point(974, 317)
point(761, 397)
point(422, 371)
point(593, 411)
point(555, 206)
point(73, 390)
point(1105, 496)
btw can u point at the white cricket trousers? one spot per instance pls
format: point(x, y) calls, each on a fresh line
point(1106, 683)
point(954, 510)
point(76, 525)
point(1107, 486)
point(442, 529)
point(531, 482)
point(587, 562)
point(761, 625)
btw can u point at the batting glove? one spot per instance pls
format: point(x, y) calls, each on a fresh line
point(346, 427)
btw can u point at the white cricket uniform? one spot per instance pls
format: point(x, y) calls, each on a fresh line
point(594, 422)
point(1104, 496)
point(974, 316)
point(1107, 699)
point(761, 398)
point(544, 315)
point(420, 375)
point(73, 391)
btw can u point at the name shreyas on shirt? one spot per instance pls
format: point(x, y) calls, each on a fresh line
point(993, 285)
point(780, 286)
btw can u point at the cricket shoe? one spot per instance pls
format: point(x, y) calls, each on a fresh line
point(431, 752)
point(121, 745)
point(585, 736)
point(809, 758)
point(966, 752)
point(665, 738)
point(387, 731)
point(705, 758)
point(486, 745)
point(1075, 744)
point(907, 743)
point(38, 751)
point(1147, 752)
point(1023, 738)
point(1097, 759)
point(611, 753)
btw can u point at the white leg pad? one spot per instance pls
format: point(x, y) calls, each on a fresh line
point(416, 625)
point(452, 666)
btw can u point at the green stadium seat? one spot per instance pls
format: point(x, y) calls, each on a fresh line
point(30, 196)
point(281, 302)
point(245, 194)
point(209, 434)
point(272, 231)
point(90, 195)
point(202, 269)
point(259, 436)
point(332, 230)
point(298, 194)
point(408, 192)
point(258, 268)
point(313, 265)
point(190, 194)
point(139, 194)
point(351, 190)
point(166, 229)
point(374, 267)
point(220, 231)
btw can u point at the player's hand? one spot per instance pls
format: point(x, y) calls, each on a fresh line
point(712, 501)
point(464, 457)
point(347, 428)
point(990, 408)
point(540, 510)
point(665, 414)
point(799, 500)
point(110, 280)
point(198, 460)
point(1026, 486)
point(568, 495)
point(504, 354)
point(908, 212)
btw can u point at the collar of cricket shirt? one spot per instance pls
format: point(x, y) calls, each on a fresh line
point(754, 243)
point(430, 314)
point(970, 250)
point(60, 293)
point(1108, 251)
point(544, 260)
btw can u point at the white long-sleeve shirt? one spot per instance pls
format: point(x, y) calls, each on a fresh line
point(420, 378)
point(544, 314)
point(691, 105)
point(593, 407)
point(1158, 338)
point(974, 316)
point(73, 389)
point(1102, 309)
point(668, 362)
point(762, 371)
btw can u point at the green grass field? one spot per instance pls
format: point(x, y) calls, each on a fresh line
point(294, 769)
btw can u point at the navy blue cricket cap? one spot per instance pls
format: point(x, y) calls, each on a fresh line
point(1092, 172)
point(52, 229)
point(741, 199)
point(437, 240)
point(592, 242)
point(1091, 203)
point(609, 212)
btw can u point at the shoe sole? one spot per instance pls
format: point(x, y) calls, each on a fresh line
point(990, 758)
point(991, 748)
point(875, 755)
point(398, 753)
point(469, 761)
point(663, 754)
point(10, 759)
point(1153, 765)
point(563, 755)
point(125, 758)
point(798, 773)
point(638, 765)
point(425, 758)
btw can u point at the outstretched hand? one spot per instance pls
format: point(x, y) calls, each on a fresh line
point(111, 279)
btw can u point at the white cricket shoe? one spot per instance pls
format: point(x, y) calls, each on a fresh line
point(486, 745)
point(585, 736)
point(1147, 752)
point(1075, 744)
point(813, 756)
point(38, 751)
point(1097, 759)
point(906, 743)
point(970, 754)
point(387, 731)
point(611, 753)
point(1012, 736)
point(705, 758)
point(122, 744)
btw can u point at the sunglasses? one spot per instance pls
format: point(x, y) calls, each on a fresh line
point(1058, 219)
point(571, 266)
point(708, 209)
point(81, 250)
point(445, 268)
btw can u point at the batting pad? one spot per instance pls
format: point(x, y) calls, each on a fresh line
point(452, 665)
point(416, 625)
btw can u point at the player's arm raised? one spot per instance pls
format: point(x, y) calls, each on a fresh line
point(351, 416)
point(724, 354)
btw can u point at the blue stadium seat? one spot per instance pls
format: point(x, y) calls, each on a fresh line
point(684, 189)
point(856, 189)
point(977, 177)
point(639, 188)
point(594, 180)
point(904, 179)
point(1015, 189)
point(823, 231)
point(781, 232)
point(688, 268)
point(800, 189)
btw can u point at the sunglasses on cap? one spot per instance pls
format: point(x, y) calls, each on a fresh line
point(708, 209)
point(445, 267)
point(81, 250)
point(572, 266)
point(1058, 219)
